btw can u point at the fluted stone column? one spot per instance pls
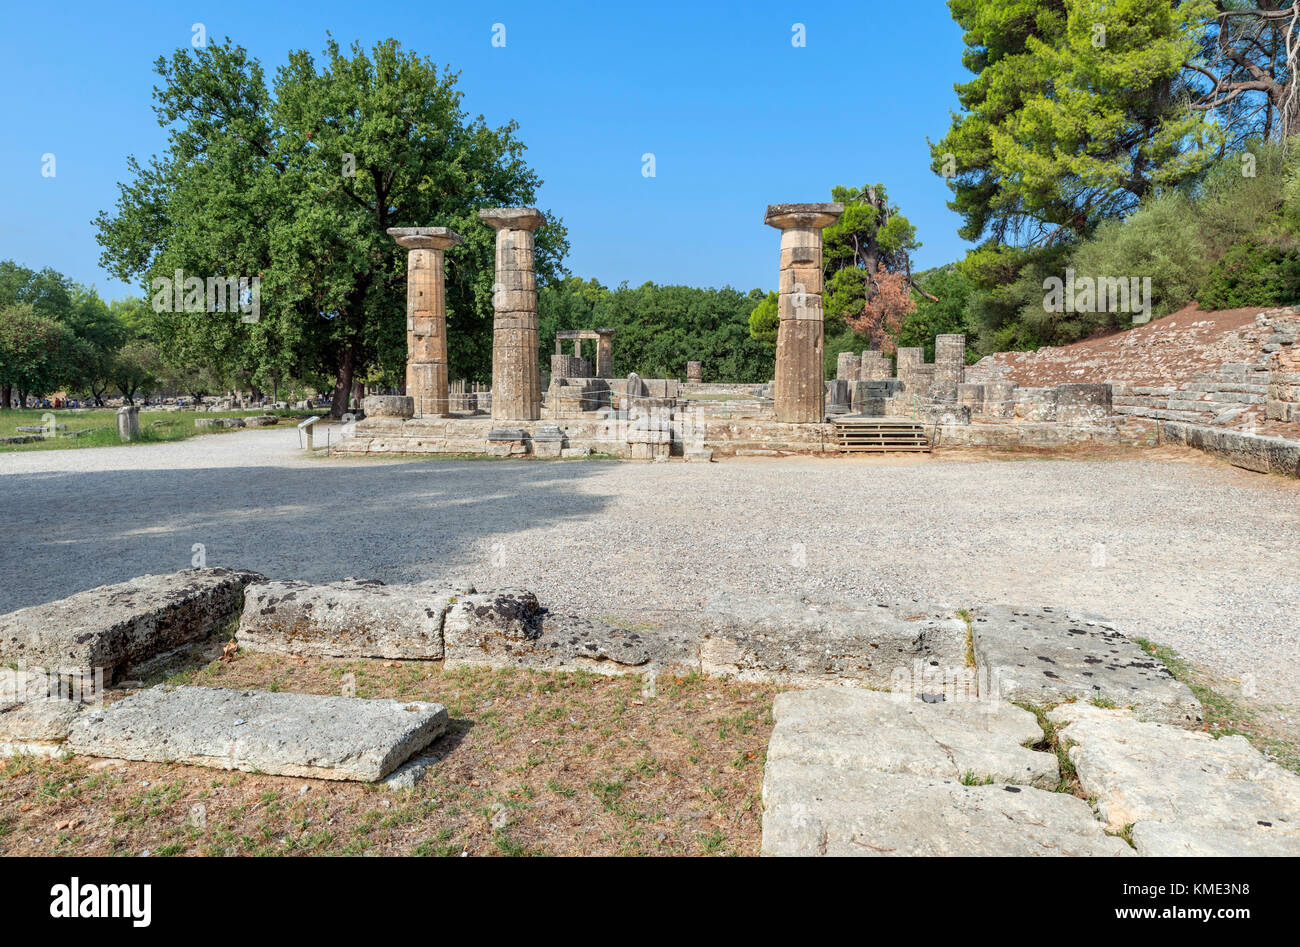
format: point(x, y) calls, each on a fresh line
point(516, 377)
point(605, 355)
point(800, 391)
point(426, 316)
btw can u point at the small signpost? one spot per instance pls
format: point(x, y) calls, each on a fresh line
point(306, 427)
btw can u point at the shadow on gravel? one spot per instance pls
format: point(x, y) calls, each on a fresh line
point(62, 533)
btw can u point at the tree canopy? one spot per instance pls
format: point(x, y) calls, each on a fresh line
point(295, 182)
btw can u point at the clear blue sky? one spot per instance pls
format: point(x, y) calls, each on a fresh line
point(736, 116)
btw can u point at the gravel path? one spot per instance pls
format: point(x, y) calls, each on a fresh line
point(1197, 556)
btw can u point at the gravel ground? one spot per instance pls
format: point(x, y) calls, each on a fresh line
point(1189, 553)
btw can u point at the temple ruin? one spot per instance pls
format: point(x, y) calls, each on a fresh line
point(875, 402)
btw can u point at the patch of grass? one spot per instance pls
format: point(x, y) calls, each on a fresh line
point(966, 616)
point(970, 779)
point(568, 763)
point(1052, 743)
point(1125, 833)
point(1226, 715)
point(97, 427)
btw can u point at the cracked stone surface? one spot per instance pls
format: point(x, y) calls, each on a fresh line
point(566, 643)
point(792, 641)
point(114, 626)
point(893, 733)
point(1049, 655)
point(348, 619)
point(824, 810)
point(853, 772)
point(1184, 793)
point(310, 735)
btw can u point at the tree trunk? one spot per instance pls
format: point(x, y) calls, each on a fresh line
point(343, 384)
point(6, 395)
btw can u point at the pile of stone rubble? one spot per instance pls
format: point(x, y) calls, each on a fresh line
point(907, 739)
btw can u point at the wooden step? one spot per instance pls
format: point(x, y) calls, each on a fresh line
point(881, 435)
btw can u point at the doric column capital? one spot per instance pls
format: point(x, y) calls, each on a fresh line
point(512, 218)
point(424, 238)
point(802, 216)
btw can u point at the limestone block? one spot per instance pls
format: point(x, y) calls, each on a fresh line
point(283, 734)
point(1148, 772)
point(205, 423)
point(128, 422)
point(1045, 656)
point(388, 406)
point(348, 619)
point(39, 726)
point(569, 643)
point(864, 730)
point(791, 641)
point(114, 626)
point(825, 811)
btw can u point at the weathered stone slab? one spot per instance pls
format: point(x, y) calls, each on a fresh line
point(823, 810)
point(348, 619)
point(1148, 772)
point(1047, 655)
point(790, 641)
point(283, 734)
point(854, 729)
point(38, 727)
point(114, 626)
point(506, 629)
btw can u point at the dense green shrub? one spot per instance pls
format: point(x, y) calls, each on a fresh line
point(1254, 273)
point(1165, 241)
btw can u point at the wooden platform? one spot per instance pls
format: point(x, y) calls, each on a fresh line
point(880, 435)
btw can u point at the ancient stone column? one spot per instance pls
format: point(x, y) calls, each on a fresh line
point(128, 422)
point(800, 391)
point(516, 377)
point(910, 363)
point(875, 366)
point(426, 316)
point(605, 355)
point(949, 366)
point(694, 373)
point(848, 367)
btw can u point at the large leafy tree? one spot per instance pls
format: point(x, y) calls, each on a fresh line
point(1077, 110)
point(296, 182)
point(867, 258)
point(38, 354)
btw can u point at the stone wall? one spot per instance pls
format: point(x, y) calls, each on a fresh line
point(1283, 392)
point(1250, 451)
